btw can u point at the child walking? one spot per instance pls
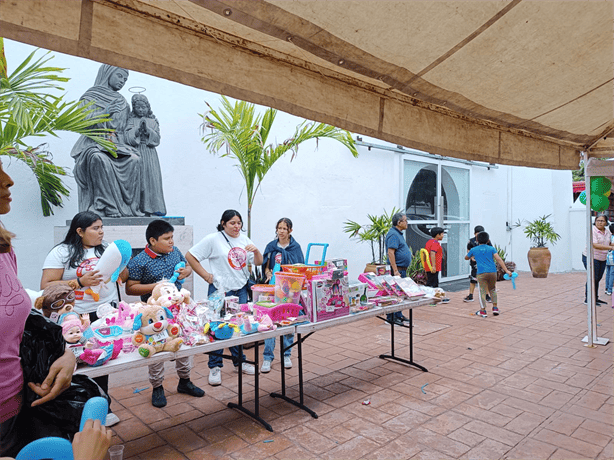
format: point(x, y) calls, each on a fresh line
point(155, 263)
point(485, 257)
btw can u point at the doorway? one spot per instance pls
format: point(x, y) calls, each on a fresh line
point(437, 194)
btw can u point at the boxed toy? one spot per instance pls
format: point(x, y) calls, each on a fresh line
point(328, 296)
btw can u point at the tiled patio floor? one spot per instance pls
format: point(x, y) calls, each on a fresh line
point(518, 386)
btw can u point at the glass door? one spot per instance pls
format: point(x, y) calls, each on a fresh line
point(437, 194)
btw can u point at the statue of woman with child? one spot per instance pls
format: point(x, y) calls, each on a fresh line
point(108, 186)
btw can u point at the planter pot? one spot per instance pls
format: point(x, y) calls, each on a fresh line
point(379, 269)
point(539, 261)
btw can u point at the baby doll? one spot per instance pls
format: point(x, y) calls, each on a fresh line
point(83, 350)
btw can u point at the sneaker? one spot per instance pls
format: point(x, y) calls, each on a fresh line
point(215, 376)
point(608, 293)
point(488, 299)
point(601, 302)
point(158, 399)
point(445, 300)
point(495, 311)
point(469, 298)
point(287, 362)
point(266, 366)
point(481, 313)
point(111, 419)
point(248, 369)
point(187, 387)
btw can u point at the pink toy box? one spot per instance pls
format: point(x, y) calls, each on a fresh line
point(263, 292)
point(328, 296)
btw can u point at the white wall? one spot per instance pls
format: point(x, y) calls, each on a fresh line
point(319, 190)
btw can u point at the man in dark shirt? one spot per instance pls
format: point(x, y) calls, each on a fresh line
point(399, 256)
point(473, 280)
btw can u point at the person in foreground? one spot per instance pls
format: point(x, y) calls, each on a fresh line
point(282, 250)
point(602, 243)
point(485, 257)
point(228, 252)
point(75, 258)
point(155, 263)
point(15, 306)
point(399, 257)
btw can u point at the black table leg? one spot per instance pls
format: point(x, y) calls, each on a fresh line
point(255, 415)
point(411, 344)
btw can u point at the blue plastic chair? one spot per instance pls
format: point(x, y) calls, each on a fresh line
point(59, 448)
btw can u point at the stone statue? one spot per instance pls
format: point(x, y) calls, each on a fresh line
point(108, 186)
point(143, 132)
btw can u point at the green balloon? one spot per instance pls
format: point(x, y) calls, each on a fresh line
point(599, 203)
point(600, 185)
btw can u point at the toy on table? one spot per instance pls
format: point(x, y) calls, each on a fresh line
point(57, 299)
point(166, 294)
point(288, 287)
point(513, 278)
point(266, 324)
point(83, 349)
point(113, 260)
point(221, 330)
point(153, 332)
point(175, 276)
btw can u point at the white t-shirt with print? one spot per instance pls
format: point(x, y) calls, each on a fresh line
point(228, 259)
point(84, 303)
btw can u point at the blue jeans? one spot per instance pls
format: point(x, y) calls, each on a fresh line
point(269, 347)
point(215, 357)
point(598, 269)
point(609, 278)
point(397, 314)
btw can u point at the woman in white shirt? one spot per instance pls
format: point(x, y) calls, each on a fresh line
point(601, 245)
point(75, 258)
point(229, 253)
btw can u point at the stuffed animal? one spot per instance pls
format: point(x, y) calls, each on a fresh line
point(166, 294)
point(57, 299)
point(113, 260)
point(154, 333)
point(175, 276)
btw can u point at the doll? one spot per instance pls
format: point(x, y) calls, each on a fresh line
point(83, 349)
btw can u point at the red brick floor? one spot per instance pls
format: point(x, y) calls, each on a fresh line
point(518, 386)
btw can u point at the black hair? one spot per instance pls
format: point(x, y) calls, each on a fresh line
point(436, 231)
point(397, 218)
point(76, 251)
point(612, 228)
point(483, 238)
point(601, 215)
point(286, 221)
point(157, 228)
point(478, 229)
point(226, 216)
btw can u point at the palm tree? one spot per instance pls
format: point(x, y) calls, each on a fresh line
point(28, 108)
point(244, 134)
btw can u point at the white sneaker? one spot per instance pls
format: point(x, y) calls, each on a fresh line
point(111, 419)
point(266, 366)
point(215, 377)
point(287, 362)
point(247, 369)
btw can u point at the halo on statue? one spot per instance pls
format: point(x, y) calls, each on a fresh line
point(137, 89)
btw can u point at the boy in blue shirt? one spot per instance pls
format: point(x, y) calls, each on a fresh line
point(156, 263)
point(485, 257)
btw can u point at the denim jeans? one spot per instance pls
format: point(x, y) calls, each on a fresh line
point(609, 278)
point(269, 347)
point(598, 269)
point(215, 357)
point(397, 314)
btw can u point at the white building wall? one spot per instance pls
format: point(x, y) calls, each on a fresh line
point(319, 190)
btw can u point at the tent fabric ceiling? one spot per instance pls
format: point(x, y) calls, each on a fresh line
point(514, 82)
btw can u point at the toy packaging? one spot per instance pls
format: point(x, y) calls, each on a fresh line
point(329, 296)
point(409, 287)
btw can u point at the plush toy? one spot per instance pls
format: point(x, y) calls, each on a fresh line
point(175, 276)
point(166, 295)
point(154, 333)
point(113, 260)
point(220, 330)
point(266, 324)
point(57, 299)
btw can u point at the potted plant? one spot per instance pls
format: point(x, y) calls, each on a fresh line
point(415, 271)
point(375, 234)
point(511, 266)
point(540, 231)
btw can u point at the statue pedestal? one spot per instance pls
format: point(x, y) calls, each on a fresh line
point(132, 229)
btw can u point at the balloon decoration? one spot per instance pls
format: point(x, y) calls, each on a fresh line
point(600, 192)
